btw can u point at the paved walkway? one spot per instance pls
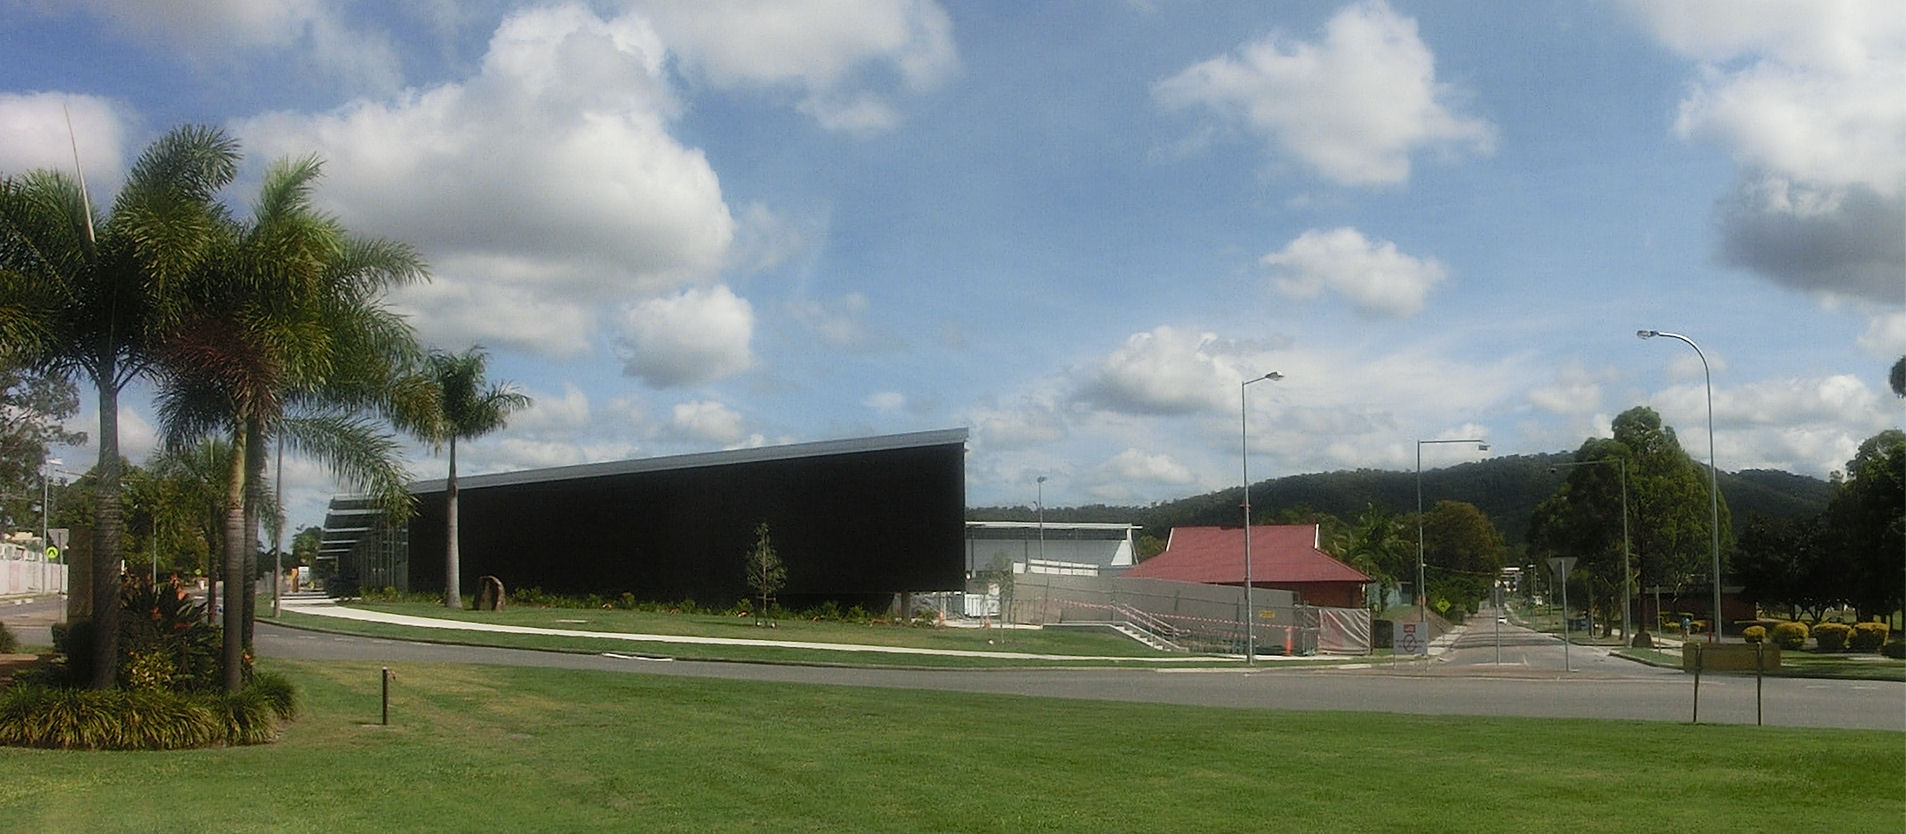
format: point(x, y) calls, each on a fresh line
point(324, 607)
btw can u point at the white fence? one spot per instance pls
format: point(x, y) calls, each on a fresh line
point(23, 572)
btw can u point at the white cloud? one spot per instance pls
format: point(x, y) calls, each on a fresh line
point(33, 134)
point(1165, 371)
point(822, 49)
point(1809, 426)
point(1031, 421)
point(550, 414)
point(1378, 279)
point(1885, 335)
point(1574, 391)
point(706, 421)
point(1806, 96)
point(548, 183)
point(695, 336)
point(228, 30)
point(1354, 106)
point(1149, 468)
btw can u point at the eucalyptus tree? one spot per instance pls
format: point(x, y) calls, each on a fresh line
point(285, 335)
point(1583, 519)
point(455, 402)
point(85, 296)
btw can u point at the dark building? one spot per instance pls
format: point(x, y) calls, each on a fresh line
point(852, 520)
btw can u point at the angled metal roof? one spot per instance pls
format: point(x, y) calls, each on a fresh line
point(698, 460)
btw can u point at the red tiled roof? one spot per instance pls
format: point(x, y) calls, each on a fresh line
point(1280, 553)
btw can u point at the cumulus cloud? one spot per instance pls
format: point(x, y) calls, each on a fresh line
point(1379, 280)
point(1807, 99)
point(1806, 425)
point(885, 401)
point(549, 177)
point(1148, 468)
point(1165, 371)
point(694, 336)
point(33, 134)
point(1354, 106)
point(827, 52)
point(227, 31)
point(1026, 423)
point(1574, 391)
point(706, 421)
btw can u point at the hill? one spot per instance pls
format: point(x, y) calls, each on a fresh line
point(1507, 489)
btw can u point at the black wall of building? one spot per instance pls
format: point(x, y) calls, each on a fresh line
point(849, 526)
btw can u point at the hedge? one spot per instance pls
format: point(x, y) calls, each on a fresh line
point(1790, 635)
point(1831, 636)
point(1868, 637)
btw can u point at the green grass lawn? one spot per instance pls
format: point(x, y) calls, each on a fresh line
point(1073, 642)
point(513, 749)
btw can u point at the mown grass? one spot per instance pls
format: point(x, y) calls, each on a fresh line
point(1092, 648)
point(516, 749)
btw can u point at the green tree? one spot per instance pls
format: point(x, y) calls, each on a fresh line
point(1866, 521)
point(767, 574)
point(1462, 555)
point(31, 408)
point(1787, 562)
point(1668, 502)
point(1379, 546)
point(286, 336)
point(1583, 519)
point(452, 401)
point(86, 296)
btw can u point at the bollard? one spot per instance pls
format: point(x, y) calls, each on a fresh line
point(386, 720)
point(1759, 668)
point(1700, 656)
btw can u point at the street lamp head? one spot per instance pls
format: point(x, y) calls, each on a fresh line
point(1647, 334)
point(1273, 376)
point(1041, 479)
point(1482, 447)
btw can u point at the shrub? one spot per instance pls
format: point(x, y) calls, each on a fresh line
point(1868, 637)
point(1831, 636)
point(1790, 635)
point(1754, 634)
point(1895, 649)
point(8, 643)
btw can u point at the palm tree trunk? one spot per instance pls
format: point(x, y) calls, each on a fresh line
point(452, 595)
point(233, 643)
point(254, 503)
point(107, 531)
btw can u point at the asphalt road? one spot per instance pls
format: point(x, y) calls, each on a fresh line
point(1529, 680)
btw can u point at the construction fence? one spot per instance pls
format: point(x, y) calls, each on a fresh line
point(23, 571)
point(1189, 616)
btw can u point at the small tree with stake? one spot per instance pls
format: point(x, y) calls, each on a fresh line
point(766, 573)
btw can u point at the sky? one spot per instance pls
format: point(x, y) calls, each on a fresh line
point(1075, 228)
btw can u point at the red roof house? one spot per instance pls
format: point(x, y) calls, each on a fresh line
point(1283, 556)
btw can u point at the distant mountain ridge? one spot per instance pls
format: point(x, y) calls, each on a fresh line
point(1506, 488)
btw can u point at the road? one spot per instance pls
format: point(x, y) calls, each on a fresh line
point(1530, 681)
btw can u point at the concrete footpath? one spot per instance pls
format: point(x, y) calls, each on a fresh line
point(324, 607)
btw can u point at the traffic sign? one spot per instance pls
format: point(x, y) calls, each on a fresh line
point(1561, 565)
point(52, 553)
point(58, 536)
point(1408, 638)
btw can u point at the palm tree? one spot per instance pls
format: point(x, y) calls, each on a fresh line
point(286, 336)
point(87, 296)
point(457, 404)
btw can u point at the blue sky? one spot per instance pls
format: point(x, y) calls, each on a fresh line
point(1074, 227)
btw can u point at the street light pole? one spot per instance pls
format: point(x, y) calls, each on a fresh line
point(1627, 587)
point(1422, 598)
point(1713, 482)
point(1244, 457)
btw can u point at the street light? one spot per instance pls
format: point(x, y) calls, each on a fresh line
point(1244, 457)
point(1713, 483)
point(1627, 589)
point(1422, 598)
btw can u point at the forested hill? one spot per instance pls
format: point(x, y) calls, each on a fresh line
point(1506, 488)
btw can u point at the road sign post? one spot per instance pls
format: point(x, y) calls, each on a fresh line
point(1560, 566)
